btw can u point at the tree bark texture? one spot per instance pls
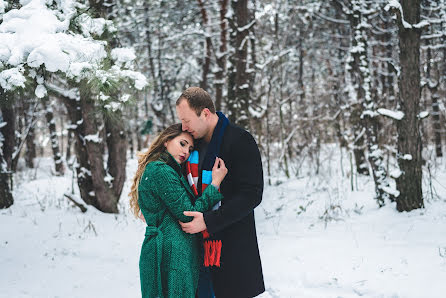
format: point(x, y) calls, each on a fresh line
point(221, 56)
point(49, 116)
point(105, 199)
point(409, 133)
point(6, 198)
point(238, 78)
point(117, 152)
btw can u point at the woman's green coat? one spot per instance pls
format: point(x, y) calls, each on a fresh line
point(170, 260)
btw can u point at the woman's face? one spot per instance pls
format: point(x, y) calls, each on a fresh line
point(180, 147)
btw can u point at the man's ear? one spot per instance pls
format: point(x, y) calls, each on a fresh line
point(206, 112)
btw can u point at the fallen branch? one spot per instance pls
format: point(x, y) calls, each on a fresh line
point(82, 207)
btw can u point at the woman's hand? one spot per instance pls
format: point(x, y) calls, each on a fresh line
point(219, 172)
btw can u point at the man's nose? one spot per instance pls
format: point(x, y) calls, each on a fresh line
point(183, 127)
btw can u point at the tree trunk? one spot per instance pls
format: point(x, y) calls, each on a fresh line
point(117, 152)
point(28, 118)
point(355, 81)
point(69, 143)
point(6, 198)
point(105, 199)
point(82, 166)
point(49, 116)
point(8, 132)
point(238, 81)
point(221, 55)
point(208, 45)
point(361, 79)
point(409, 134)
point(148, 39)
point(437, 121)
point(432, 83)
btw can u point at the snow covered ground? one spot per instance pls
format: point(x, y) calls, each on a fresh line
point(317, 239)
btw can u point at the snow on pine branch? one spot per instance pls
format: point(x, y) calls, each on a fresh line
point(397, 115)
point(36, 35)
point(13, 77)
point(394, 5)
point(3, 5)
point(94, 26)
point(123, 55)
point(41, 34)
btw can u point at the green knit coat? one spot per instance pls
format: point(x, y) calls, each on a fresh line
point(170, 260)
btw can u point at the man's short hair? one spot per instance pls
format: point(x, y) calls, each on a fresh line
point(198, 99)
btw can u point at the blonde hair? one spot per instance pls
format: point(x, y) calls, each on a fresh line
point(154, 152)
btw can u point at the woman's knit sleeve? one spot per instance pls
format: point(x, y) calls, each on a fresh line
point(163, 182)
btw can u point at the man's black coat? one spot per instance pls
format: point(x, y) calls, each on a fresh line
point(240, 274)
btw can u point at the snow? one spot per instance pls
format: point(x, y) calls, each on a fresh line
point(123, 55)
point(139, 78)
point(93, 138)
point(394, 4)
point(113, 106)
point(108, 178)
point(423, 114)
point(94, 26)
point(246, 27)
point(35, 35)
point(396, 173)
point(3, 5)
point(395, 193)
point(41, 91)
point(397, 115)
point(125, 98)
point(407, 157)
point(317, 238)
point(257, 113)
point(103, 97)
point(11, 78)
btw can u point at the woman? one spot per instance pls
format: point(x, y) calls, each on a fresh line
point(169, 262)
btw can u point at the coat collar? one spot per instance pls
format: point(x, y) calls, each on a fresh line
point(168, 159)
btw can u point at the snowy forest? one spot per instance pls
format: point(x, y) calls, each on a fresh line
point(345, 99)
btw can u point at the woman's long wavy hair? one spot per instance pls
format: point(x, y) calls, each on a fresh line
point(154, 152)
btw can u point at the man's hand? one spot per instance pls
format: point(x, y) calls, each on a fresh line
point(196, 225)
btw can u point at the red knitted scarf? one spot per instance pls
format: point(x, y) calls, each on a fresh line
point(212, 246)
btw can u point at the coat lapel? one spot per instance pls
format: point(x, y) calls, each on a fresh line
point(170, 161)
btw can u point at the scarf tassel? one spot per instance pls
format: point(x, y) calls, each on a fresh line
point(212, 253)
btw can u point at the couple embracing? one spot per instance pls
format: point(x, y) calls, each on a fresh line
point(196, 188)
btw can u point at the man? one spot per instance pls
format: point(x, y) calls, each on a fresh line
point(238, 271)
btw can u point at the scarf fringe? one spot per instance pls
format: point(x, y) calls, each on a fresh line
point(212, 253)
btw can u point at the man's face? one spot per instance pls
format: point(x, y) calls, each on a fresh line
point(196, 125)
